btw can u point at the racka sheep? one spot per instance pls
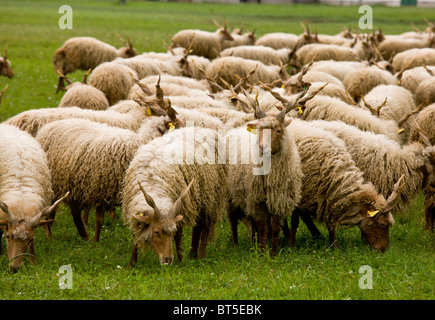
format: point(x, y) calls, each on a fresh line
point(25, 192)
point(86, 53)
point(334, 189)
point(266, 185)
point(166, 169)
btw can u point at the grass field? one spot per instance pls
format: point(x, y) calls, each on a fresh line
point(310, 271)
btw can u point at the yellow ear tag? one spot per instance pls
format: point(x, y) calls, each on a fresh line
point(171, 127)
point(299, 110)
point(283, 86)
point(400, 130)
point(252, 130)
point(149, 112)
point(141, 214)
point(372, 213)
point(398, 82)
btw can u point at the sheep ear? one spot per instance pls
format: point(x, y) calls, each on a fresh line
point(143, 219)
point(178, 218)
point(4, 222)
point(287, 122)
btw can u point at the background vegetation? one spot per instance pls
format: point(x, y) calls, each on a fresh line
point(310, 271)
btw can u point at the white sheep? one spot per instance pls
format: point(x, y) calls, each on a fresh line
point(25, 193)
point(166, 168)
point(334, 189)
point(266, 183)
point(86, 53)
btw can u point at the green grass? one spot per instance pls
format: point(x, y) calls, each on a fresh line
point(310, 271)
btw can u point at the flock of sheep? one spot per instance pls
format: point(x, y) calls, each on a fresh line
point(343, 124)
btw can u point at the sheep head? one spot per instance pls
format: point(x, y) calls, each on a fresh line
point(223, 31)
point(271, 128)
point(373, 217)
point(162, 226)
point(5, 65)
point(20, 231)
point(127, 51)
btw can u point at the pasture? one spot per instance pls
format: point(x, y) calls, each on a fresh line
point(311, 270)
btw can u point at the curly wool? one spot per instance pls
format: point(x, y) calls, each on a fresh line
point(425, 93)
point(113, 79)
point(280, 188)
point(85, 97)
point(90, 159)
point(382, 160)
point(164, 180)
point(25, 180)
point(425, 119)
point(332, 182)
point(333, 109)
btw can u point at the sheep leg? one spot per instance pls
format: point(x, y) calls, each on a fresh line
point(294, 224)
point(85, 216)
point(332, 237)
point(112, 213)
point(99, 223)
point(1, 234)
point(133, 259)
point(262, 233)
point(196, 235)
point(203, 243)
point(178, 237)
point(75, 212)
point(429, 217)
point(285, 229)
point(275, 230)
point(233, 217)
point(306, 218)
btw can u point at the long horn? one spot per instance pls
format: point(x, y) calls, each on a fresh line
point(46, 211)
point(409, 114)
point(5, 209)
point(64, 77)
point(394, 197)
point(142, 86)
point(85, 76)
point(259, 114)
point(422, 133)
point(157, 214)
point(3, 92)
point(177, 205)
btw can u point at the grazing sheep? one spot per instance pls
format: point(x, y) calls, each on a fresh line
point(5, 65)
point(335, 191)
point(266, 184)
point(86, 53)
point(79, 94)
point(113, 79)
point(359, 82)
point(25, 193)
point(90, 159)
point(166, 169)
point(425, 93)
point(206, 44)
